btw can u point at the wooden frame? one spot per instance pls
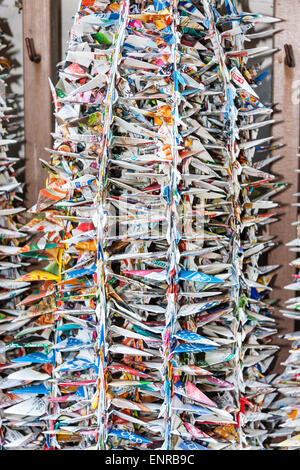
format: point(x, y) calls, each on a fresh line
point(42, 23)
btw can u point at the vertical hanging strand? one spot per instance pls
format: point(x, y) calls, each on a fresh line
point(57, 359)
point(173, 238)
point(101, 309)
point(237, 252)
point(234, 170)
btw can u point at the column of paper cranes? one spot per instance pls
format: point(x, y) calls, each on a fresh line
point(148, 323)
point(12, 321)
point(286, 407)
